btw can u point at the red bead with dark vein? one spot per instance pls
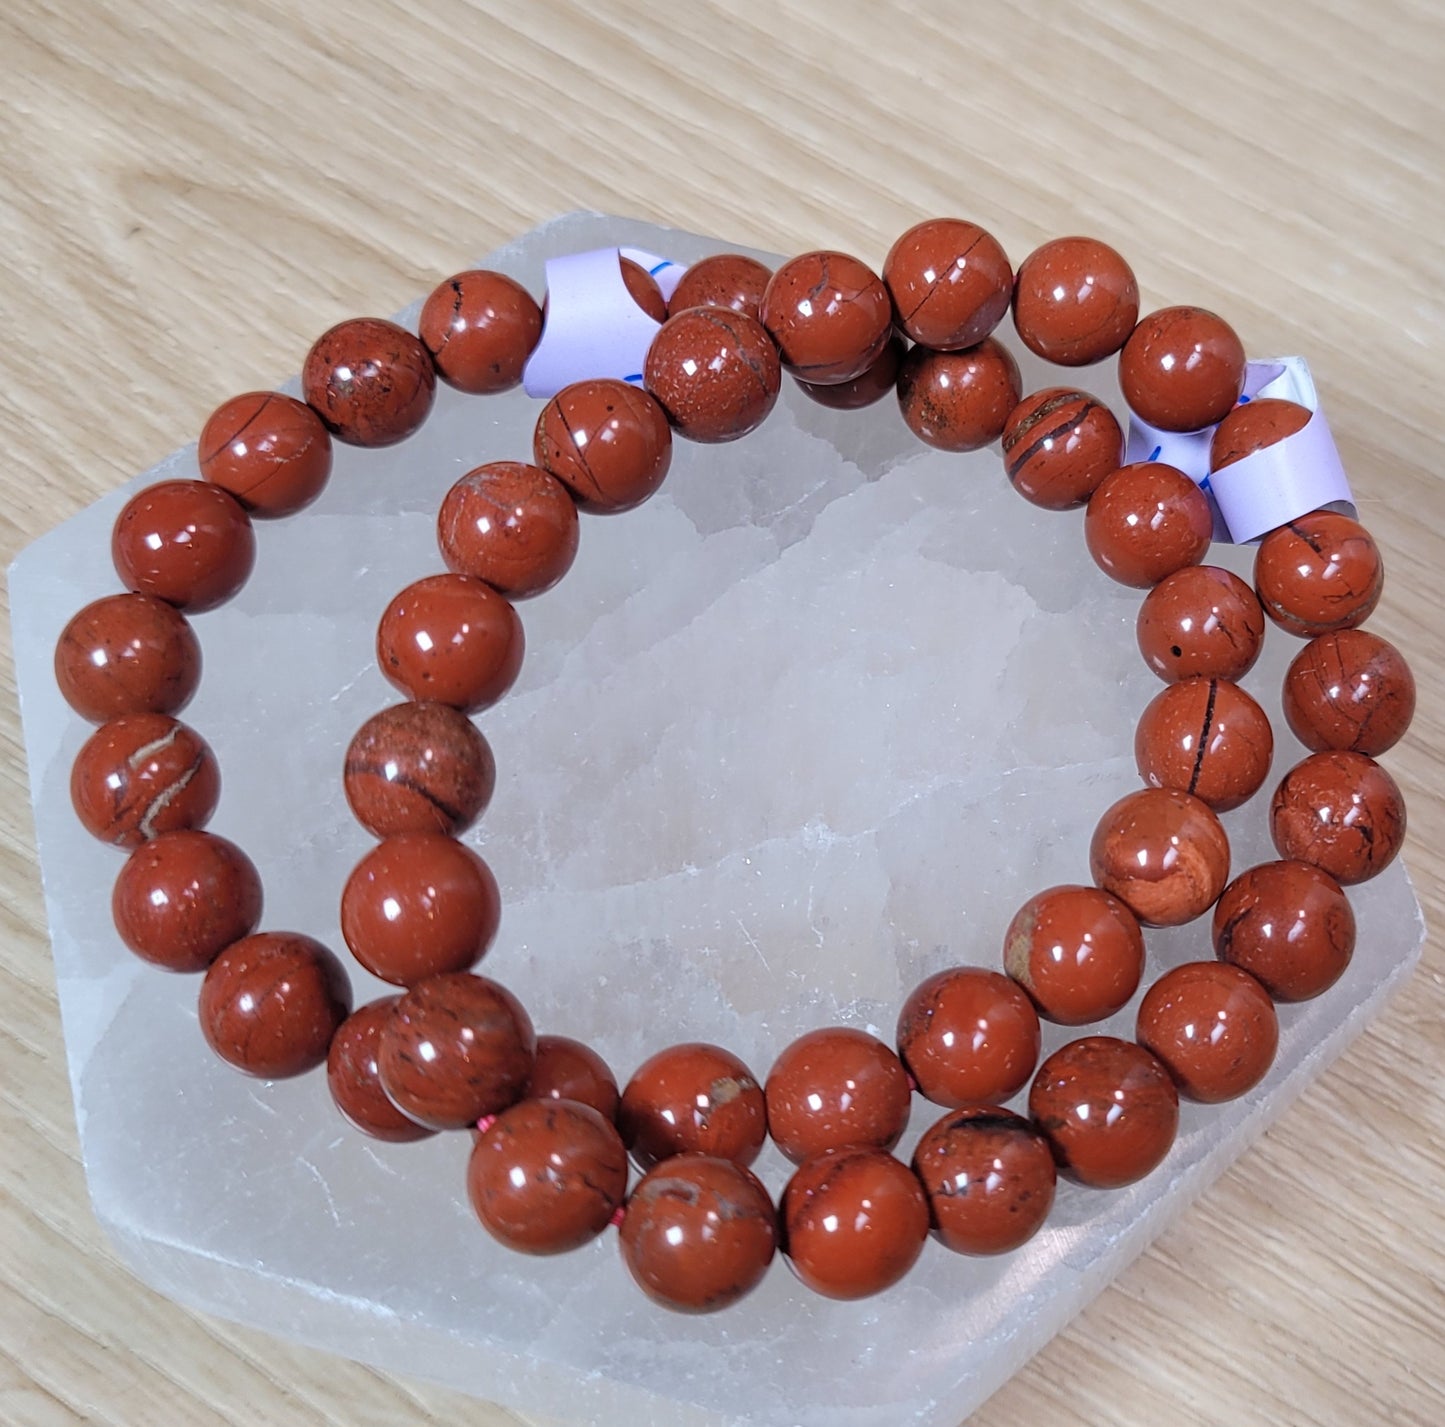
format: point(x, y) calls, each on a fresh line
point(1320, 573)
point(829, 314)
point(1201, 623)
point(270, 451)
point(454, 1048)
point(1340, 811)
point(1349, 690)
point(1207, 737)
point(1058, 446)
point(715, 372)
point(418, 768)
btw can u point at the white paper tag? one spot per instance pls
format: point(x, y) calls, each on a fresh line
point(1270, 487)
point(593, 326)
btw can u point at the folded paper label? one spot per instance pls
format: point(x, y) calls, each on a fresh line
point(594, 327)
point(1269, 487)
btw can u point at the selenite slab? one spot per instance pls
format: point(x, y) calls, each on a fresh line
point(802, 730)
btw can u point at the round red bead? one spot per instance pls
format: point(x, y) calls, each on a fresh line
point(480, 327)
point(1207, 737)
point(836, 1087)
point(989, 1179)
point(829, 314)
point(1058, 446)
point(968, 1036)
point(1340, 811)
point(127, 654)
point(184, 897)
point(547, 1176)
point(420, 767)
point(1146, 521)
point(370, 381)
point(714, 372)
point(1077, 951)
point(1075, 301)
point(509, 524)
point(1182, 369)
point(565, 1069)
point(607, 442)
point(950, 282)
point(186, 542)
point(959, 401)
point(1163, 854)
point(1349, 690)
point(451, 639)
point(693, 1097)
point(1201, 623)
point(419, 904)
point(1320, 573)
point(454, 1048)
point(270, 451)
point(1289, 925)
point(1108, 1108)
point(1212, 1026)
point(854, 1222)
point(698, 1233)
point(271, 1003)
point(140, 775)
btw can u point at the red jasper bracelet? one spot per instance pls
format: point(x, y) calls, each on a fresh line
point(453, 1050)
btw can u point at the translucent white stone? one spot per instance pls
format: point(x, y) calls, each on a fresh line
point(802, 730)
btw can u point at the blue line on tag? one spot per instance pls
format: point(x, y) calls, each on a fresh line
point(665, 263)
point(1243, 399)
point(635, 377)
point(1206, 487)
point(1154, 454)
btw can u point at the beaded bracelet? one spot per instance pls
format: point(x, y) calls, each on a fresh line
point(454, 1050)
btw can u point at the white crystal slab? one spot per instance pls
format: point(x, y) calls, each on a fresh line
point(805, 728)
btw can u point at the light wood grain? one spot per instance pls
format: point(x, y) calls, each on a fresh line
point(192, 192)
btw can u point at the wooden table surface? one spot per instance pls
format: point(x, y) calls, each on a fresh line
point(191, 192)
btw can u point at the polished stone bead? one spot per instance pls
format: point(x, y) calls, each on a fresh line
point(1075, 301)
point(1340, 811)
point(1145, 522)
point(1207, 737)
point(271, 1003)
point(354, 1080)
point(854, 1222)
point(140, 775)
point(715, 372)
point(419, 767)
point(270, 451)
point(451, 639)
point(1349, 690)
point(959, 401)
point(454, 1048)
point(547, 1176)
point(186, 542)
point(693, 1097)
point(480, 327)
point(880, 380)
point(1201, 622)
point(1108, 1108)
point(1212, 1027)
point(126, 654)
point(510, 524)
point(950, 282)
point(419, 904)
point(1252, 426)
point(698, 1233)
point(1163, 853)
point(1059, 444)
point(835, 1087)
point(370, 381)
point(989, 1179)
point(1320, 573)
point(607, 442)
point(565, 1069)
point(829, 314)
point(182, 898)
point(723, 280)
point(1289, 925)
point(968, 1036)
point(1182, 369)
point(1077, 951)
